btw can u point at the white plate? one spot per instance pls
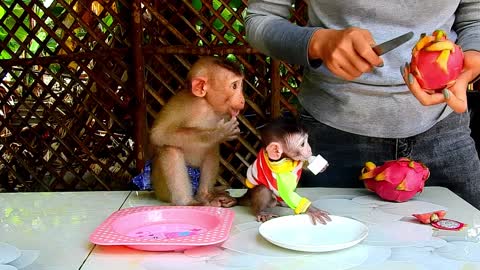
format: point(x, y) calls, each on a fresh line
point(7, 267)
point(8, 253)
point(298, 233)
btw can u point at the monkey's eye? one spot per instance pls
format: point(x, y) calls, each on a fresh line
point(235, 85)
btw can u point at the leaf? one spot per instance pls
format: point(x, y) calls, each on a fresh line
point(18, 11)
point(21, 33)
point(218, 24)
point(197, 4)
point(57, 10)
point(2, 12)
point(3, 34)
point(34, 47)
point(235, 3)
point(108, 20)
point(238, 26)
point(216, 4)
point(8, 2)
point(226, 14)
point(54, 68)
point(42, 35)
point(5, 55)
point(52, 45)
point(230, 37)
point(13, 45)
point(231, 57)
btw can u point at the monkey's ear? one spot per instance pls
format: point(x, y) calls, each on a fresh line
point(198, 86)
point(274, 150)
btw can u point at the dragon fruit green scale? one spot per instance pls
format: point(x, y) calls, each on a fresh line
point(396, 180)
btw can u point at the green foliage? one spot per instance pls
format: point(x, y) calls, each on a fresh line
point(3, 33)
point(57, 10)
point(226, 15)
point(108, 20)
point(2, 12)
point(21, 34)
point(54, 68)
point(197, 4)
point(5, 55)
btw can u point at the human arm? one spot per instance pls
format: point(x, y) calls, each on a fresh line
point(345, 52)
point(269, 30)
point(467, 27)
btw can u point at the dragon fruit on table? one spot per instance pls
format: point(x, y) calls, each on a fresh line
point(396, 180)
point(436, 61)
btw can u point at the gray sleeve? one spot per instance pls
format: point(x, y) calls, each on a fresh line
point(269, 30)
point(467, 25)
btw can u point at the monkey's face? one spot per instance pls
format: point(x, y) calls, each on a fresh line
point(225, 93)
point(297, 146)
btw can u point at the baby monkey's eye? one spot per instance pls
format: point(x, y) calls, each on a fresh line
point(235, 85)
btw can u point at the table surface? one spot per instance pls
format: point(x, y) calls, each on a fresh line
point(56, 227)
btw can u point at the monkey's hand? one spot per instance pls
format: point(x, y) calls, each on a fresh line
point(265, 216)
point(217, 199)
point(223, 201)
point(227, 131)
point(318, 215)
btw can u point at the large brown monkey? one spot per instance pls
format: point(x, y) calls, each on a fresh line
point(189, 130)
point(273, 177)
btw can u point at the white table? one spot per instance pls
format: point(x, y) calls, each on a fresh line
point(59, 224)
point(55, 225)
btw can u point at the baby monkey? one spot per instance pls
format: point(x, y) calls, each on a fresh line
point(189, 129)
point(273, 177)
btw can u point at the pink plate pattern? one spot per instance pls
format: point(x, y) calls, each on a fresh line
point(165, 228)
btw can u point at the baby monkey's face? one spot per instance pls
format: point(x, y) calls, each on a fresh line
point(297, 146)
point(225, 94)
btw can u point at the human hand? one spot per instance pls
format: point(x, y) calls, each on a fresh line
point(346, 53)
point(318, 215)
point(454, 95)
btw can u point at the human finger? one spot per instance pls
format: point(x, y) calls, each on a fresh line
point(347, 58)
point(457, 104)
point(340, 71)
point(364, 49)
point(359, 61)
point(424, 97)
point(456, 95)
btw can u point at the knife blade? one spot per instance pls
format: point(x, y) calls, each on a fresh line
point(391, 44)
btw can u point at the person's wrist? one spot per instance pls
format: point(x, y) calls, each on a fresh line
point(472, 63)
point(315, 45)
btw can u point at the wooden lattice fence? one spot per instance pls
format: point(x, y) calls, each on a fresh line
point(82, 81)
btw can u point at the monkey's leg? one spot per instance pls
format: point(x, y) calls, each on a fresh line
point(262, 198)
point(170, 177)
point(208, 177)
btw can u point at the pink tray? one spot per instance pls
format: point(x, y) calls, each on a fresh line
point(165, 228)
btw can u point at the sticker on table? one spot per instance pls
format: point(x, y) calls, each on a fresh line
point(398, 234)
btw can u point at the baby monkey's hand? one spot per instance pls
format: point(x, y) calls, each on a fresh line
point(318, 215)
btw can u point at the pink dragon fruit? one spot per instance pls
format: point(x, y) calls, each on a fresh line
point(396, 180)
point(436, 61)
